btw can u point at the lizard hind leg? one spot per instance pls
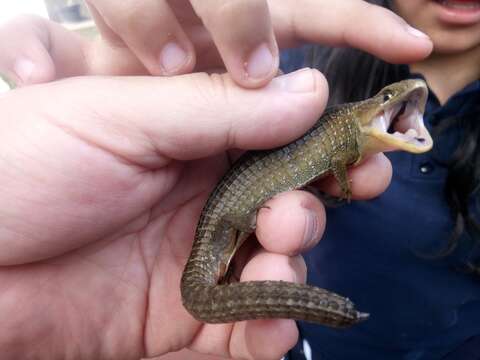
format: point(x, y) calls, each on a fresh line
point(328, 200)
point(227, 272)
point(339, 170)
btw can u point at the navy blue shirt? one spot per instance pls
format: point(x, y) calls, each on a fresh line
point(419, 308)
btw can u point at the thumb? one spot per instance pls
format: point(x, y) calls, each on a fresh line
point(191, 116)
point(219, 115)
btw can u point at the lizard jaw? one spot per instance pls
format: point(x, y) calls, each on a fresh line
point(401, 127)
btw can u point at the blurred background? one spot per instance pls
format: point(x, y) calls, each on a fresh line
point(71, 13)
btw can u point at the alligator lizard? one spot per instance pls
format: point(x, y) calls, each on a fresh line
point(343, 136)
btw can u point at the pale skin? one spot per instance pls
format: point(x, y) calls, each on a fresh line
point(103, 179)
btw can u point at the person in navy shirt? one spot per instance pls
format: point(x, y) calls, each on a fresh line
point(409, 257)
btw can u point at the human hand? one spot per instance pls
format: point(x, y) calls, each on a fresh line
point(175, 37)
point(103, 180)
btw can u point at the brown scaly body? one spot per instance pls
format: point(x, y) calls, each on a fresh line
point(340, 138)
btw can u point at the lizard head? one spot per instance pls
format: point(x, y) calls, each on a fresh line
point(393, 119)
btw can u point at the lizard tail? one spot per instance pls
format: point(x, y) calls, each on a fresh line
point(266, 300)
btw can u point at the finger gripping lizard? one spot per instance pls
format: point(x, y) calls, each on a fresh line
point(343, 136)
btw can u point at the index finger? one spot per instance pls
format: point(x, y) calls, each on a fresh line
point(354, 23)
point(243, 34)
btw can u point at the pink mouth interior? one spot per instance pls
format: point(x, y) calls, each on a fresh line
point(404, 121)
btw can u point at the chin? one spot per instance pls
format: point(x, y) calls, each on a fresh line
point(450, 42)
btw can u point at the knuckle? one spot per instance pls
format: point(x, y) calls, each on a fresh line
point(214, 100)
point(24, 21)
point(214, 90)
point(211, 12)
point(221, 88)
point(147, 26)
point(126, 16)
point(134, 17)
point(243, 6)
point(29, 29)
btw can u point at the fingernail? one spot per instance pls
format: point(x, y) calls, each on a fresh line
point(260, 62)
point(298, 81)
point(415, 32)
point(172, 57)
point(311, 233)
point(24, 69)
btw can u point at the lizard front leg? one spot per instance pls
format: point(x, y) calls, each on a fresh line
point(339, 171)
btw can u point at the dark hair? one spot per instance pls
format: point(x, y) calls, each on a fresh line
point(355, 75)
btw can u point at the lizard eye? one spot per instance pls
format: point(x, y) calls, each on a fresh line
point(387, 96)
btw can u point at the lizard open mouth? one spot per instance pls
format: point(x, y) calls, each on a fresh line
point(400, 126)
